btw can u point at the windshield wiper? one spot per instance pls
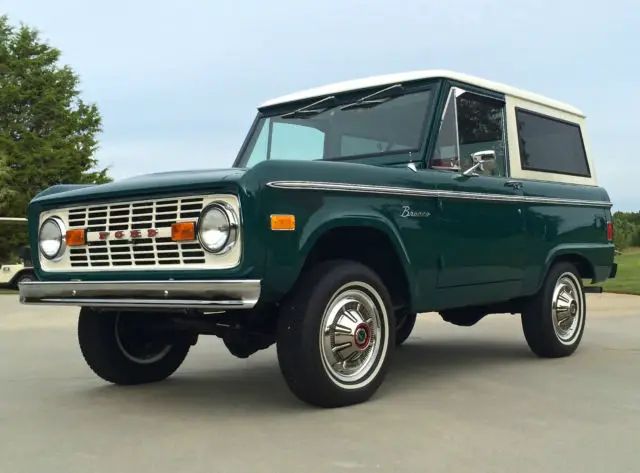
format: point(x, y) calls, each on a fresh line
point(308, 110)
point(369, 101)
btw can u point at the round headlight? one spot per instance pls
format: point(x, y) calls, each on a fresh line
point(51, 238)
point(217, 228)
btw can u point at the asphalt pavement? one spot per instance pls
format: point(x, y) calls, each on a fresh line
point(456, 400)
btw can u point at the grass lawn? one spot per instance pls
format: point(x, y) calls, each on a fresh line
point(8, 291)
point(627, 280)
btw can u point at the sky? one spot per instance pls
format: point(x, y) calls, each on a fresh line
point(178, 83)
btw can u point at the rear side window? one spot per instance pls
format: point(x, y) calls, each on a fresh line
point(550, 145)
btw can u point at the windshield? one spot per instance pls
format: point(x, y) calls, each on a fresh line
point(329, 129)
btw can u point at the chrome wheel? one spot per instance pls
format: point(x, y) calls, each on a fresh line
point(137, 345)
point(354, 335)
point(567, 308)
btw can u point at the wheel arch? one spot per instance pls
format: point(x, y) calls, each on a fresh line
point(584, 265)
point(371, 240)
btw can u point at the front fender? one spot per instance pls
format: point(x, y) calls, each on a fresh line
point(286, 261)
point(320, 223)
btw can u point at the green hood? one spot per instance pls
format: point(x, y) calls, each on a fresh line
point(144, 185)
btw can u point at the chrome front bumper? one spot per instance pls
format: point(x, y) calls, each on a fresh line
point(217, 295)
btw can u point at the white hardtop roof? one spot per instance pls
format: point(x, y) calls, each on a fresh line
point(388, 79)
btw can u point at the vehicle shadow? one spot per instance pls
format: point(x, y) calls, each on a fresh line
point(429, 365)
point(437, 358)
point(257, 387)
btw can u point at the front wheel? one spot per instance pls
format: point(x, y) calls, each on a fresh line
point(553, 320)
point(405, 322)
point(336, 334)
point(120, 347)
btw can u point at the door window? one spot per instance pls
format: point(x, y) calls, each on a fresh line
point(471, 123)
point(446, 154)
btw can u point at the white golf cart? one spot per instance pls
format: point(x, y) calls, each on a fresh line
point(11, 275)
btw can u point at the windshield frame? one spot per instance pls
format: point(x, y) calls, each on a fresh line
point(349, 97)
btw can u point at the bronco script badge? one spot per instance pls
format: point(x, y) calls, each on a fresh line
point(407, 212)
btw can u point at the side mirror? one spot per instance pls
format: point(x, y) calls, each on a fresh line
point(479, 159)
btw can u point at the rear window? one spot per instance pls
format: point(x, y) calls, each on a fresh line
point(550, 145)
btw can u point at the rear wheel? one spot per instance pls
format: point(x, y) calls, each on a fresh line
point(553, 320)
point(336, 334)
point(120, 347)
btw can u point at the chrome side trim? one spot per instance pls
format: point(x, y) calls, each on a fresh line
point(407, 191)
point(193, 294)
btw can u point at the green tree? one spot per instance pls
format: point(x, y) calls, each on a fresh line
point(47, 133)
point(6, 193)
point(626, 226)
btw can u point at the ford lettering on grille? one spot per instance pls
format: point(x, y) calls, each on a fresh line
point(130, 235)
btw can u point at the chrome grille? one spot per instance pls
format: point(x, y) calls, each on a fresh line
point(142, 215)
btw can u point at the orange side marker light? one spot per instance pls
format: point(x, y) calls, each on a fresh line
point(183, 231)
point(75, 237)
point(283, 222)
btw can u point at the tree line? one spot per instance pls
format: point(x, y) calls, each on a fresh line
point(626, 229)
point(48, 134)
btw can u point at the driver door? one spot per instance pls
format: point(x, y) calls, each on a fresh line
point(481, 227)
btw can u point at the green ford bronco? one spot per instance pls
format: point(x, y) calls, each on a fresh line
point(350, 209)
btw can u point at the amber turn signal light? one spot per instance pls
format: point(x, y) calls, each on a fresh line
point(183, 231)
point(283, 222)
point(75, 237)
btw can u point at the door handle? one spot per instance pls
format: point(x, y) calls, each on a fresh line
point(517, 185)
